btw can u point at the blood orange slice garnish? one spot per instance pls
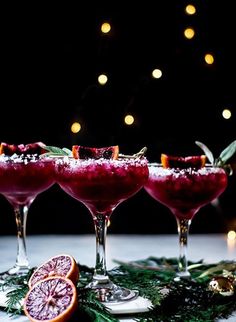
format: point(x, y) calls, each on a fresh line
point(196, 161)
point(31, 148)
point(83, 152)
point(53, 299)
point(60, 265)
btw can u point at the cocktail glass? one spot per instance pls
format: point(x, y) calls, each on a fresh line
point(184, 192)
point(22, 178)
point(101, 185)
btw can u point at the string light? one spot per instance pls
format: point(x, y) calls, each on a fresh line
point(226, 114)
point(102, 79)
point(189, 33)
point(231, 235)
point(75, 127)
point(129, 119)
point(209, 59)
point(190, 9)
point(105, 27)
point(231, 240)
point(156, 73)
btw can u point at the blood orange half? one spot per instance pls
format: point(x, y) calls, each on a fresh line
point(84, 152)
point(60, 265)
point(53, 299)
point(31, 148)
point(196, 161)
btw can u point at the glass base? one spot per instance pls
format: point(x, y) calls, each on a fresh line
point(15, 271)
point(182, 276)
point(109, 292)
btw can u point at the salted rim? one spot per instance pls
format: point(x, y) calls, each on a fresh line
point(156, 164)
point(23, 158)
point(101, 161)
point(207, 169)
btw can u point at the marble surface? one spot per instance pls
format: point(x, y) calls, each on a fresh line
point(210, 248)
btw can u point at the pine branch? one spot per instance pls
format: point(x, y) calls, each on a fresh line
point(189, 300)
point(14, 300)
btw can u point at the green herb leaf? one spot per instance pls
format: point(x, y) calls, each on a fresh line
point(227, 153)
point(225, 156)
point(139, 154)
point(55, 151)
point(207, 151)
point(218, 268)
point(68, 151)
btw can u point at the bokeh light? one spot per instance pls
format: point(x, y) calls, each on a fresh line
point(75, 127)
point(209, 59)
point(231, 235)
point(226, 114)
point(189, 33)
point(129, 119)
point(105, 27)
point(156, 73)
point(102, 79)
point(190, 9)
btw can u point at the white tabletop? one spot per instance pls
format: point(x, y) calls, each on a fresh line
point(210, 248)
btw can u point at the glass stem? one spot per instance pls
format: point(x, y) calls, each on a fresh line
point(100, 223)
point(21, 212)
point(183, 231)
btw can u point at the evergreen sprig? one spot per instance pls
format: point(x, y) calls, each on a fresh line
point(188, 300)
point(14, 300)
point(16, 287)
point(92, 309)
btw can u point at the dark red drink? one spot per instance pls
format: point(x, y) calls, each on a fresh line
point(102, 184)
point(184, 191)
point(23, 178)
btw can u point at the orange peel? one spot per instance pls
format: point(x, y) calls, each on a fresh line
point(196, 161)
point(83, 152)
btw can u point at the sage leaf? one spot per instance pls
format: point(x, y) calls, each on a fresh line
point(55, 150)
point(68, 151)
point(220, 267)
point(207, 151)
point(228, 152)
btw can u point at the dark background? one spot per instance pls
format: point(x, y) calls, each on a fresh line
point(51, 56)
